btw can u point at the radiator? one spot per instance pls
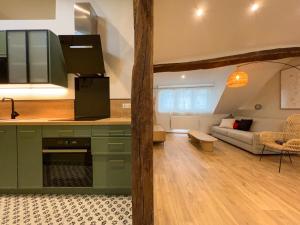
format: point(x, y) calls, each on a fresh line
point(184, 122)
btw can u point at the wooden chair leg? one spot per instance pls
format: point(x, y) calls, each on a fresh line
point(262, 152)
point(290, 157)
point(281, 155)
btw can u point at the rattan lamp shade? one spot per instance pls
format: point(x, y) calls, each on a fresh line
point(237, 79)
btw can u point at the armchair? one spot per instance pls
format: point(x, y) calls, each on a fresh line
point(284, 142)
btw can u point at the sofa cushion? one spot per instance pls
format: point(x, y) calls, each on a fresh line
point(245, 125)
point(243, 136)
point(236, 124)
point(220, 130)
point(227, 123)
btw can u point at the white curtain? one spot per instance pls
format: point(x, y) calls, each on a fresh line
point(190, 100)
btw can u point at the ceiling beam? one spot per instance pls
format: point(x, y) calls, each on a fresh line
point(271, 54)
point(142, 115)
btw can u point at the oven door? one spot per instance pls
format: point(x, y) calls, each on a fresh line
point(67, 168)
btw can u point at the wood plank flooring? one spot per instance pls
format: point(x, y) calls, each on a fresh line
point(226, 187)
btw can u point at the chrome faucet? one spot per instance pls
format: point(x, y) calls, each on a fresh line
point(14, 114)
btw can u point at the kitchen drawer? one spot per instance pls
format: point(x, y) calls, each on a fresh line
point(111, 131)
point(111, 172)
point(66, 131)
point(111, 145)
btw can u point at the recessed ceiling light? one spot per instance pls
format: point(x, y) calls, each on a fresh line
point(200, 12)
point(254, 7)
point(183, 76)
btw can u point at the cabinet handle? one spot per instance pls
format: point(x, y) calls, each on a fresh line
point(27, 131)
point(65, 132)
point(50, 151)
point(116, 132)
point(117, 163)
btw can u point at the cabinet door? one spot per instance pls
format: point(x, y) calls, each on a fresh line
point(29, 156)
point(8, 157)
point(38, 56)
point(2, 44)
point(17, 59)
point(112, 171)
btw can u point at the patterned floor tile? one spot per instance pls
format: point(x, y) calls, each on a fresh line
point(65, 210)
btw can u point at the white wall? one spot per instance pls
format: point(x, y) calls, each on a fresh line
point(63, 24)
point(259, 75)
point(269, 98)
point(117, 35)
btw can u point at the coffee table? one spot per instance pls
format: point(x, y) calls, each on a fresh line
point(206, 141)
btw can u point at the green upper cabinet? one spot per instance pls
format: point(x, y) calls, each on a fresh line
point(8, 157)
point(30, 167)
point(2, 44)
point(35, 57)
point(17, 57)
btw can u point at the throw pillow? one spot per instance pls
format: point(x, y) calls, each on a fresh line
point(227, 123)
point(245, 125)
point(236, 124)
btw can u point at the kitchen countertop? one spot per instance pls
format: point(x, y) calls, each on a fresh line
point(108, 121)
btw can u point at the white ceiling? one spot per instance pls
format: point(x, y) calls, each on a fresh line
point(226, 28)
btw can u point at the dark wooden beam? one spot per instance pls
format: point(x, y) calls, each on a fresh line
point(142, 115)
point(272, 54)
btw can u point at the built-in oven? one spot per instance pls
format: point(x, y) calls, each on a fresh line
point(67, 162)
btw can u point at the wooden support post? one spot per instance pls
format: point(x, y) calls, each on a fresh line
point(142, 115)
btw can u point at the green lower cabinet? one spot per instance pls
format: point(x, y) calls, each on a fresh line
point(108, 145)
point(30, 157)
point(111, 163)
point(112, 171)
point(3, 44)
point(8, 157)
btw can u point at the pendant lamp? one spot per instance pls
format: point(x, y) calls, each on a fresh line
point(237, 79)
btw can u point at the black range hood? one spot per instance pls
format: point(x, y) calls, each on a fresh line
point(83, 54)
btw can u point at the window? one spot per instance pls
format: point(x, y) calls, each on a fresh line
point(184, 100)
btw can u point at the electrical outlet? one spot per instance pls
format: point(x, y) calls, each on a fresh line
point(126, 105)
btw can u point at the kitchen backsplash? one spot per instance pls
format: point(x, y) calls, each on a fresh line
point(57, 109)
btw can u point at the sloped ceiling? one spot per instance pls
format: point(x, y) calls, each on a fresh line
point(259, 75)
point(227, 28)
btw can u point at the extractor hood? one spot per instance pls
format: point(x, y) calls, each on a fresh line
point(86, 19)
point(83, 54)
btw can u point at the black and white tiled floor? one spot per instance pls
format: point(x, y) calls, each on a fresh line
point(65, 210)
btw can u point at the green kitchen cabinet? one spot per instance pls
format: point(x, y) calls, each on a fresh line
point(3, 44)
point(30, 169)
point(8, 157)
point(111, 145)
point(111, 162)
point(111, 172)
point(34, 57)
point(66, 131)
point(111, 131)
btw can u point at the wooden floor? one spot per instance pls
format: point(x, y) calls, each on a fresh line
point(227, 186)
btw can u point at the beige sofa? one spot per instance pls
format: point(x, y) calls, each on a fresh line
point(248, 140)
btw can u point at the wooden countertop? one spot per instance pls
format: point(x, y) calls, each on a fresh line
point(32, 122)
